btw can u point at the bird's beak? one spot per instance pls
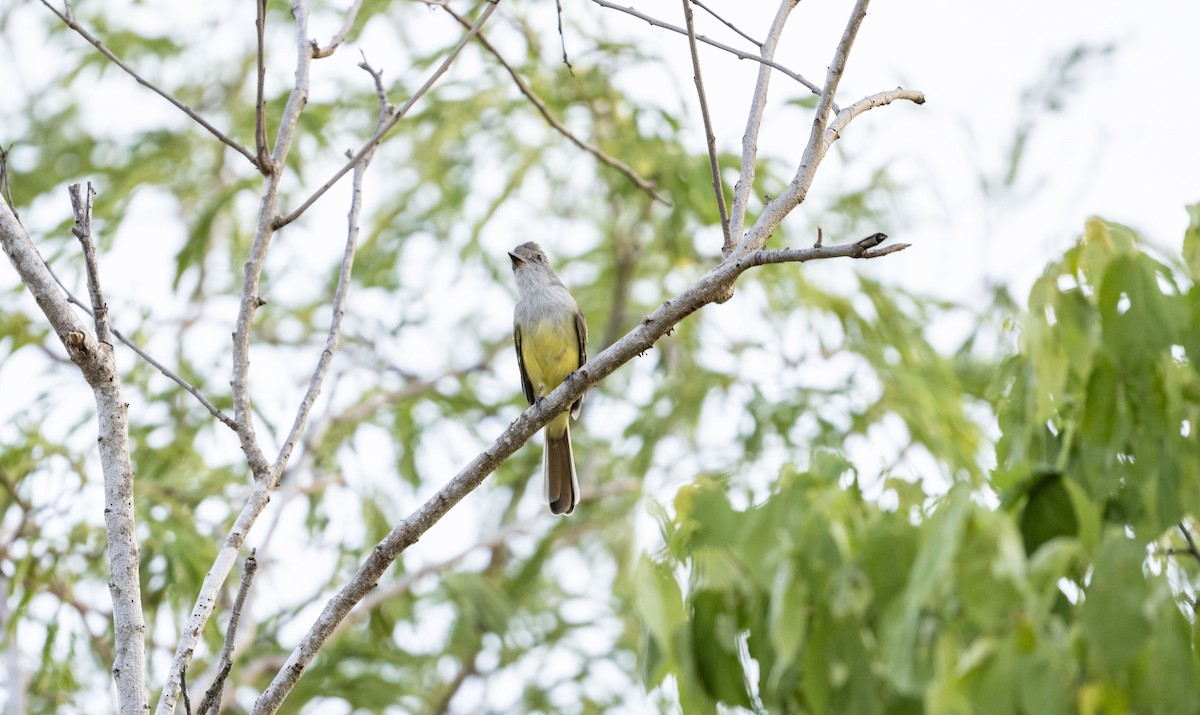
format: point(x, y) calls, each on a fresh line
point(516, 260)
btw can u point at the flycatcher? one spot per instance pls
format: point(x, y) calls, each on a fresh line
point(551, 339)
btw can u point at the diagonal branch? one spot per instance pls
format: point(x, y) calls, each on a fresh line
point(95, 361)
point(712, 287)
point(758, 105)
point(383, 130)
point(740, 54)
point(69, 20)
point(260, 104)
point(713, 165)
point(821, 137)
point(336, 41)
point(212, 697)
point(540, 106)
point(726, 23)
point(343, 287)
point(166, 371)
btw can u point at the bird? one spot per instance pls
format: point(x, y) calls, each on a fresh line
point(550, 335)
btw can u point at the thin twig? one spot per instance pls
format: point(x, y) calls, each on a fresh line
point(540, 106)
point(5, 184)
point(1191, 541)
point(382, 131)
point(726, 23)
point(191, 389)
point(187, 701)
point(260, 103)
point(386, 111)
point(212, 697)
point(337, 40)
point(758, 104)
point(713, 164)
point(863, 248)
point(82, 206)
point(563, 39)
point(740, 54)
point(69, 20)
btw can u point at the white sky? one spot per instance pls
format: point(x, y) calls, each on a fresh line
point(1124, 145)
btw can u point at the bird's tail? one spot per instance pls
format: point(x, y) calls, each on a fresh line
point(560, 482)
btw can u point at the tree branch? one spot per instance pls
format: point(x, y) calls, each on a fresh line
point(212, 697)
point(713, 287)
point(69, 20)
point(260, 104)
point(343, 287)
point(821, 136)
point(740, 54)
point(402, 110)
point(540, 106)
point(166, 371)
point(758, 104)
point(336, 41)
point(95, 361)
point(265, 477)
point(727, 23)
point(713, 164)
point(83, 231)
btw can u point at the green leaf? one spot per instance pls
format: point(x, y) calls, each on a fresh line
point(1112, 620)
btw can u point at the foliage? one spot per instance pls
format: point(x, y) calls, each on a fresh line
point(832, 542)
point(1077, 594)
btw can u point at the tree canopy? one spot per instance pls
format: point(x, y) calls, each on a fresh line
point(798, 500)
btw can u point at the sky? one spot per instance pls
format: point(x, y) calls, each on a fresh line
point(1120, 141)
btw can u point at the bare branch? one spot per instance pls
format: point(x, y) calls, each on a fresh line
point(727, 23)
point(758, 104)
point(212, 697)
point(69, 20)
point(264, 477)
point(340, 37)
point(343, 287)
point(713, 164)
point(167, 372)
point(821, 137)
point(5, 185)
point(395, 119)
point(83, 231)
point(714, 286)
point(260, 104)
point(603, 158)
point(740, 54)
point(879, 99)
point(1191, 549)
point(859, 249)
point(563, 38)
point(95, 361)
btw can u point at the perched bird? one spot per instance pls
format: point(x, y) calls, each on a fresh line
point(551, 339)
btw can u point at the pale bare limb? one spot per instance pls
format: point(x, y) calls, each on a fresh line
point(758, 104)
point(212, 697)
point(342, 292)
point(166, 371)
point(712, 287)
point(740, 54)
point(538, 104)
point(713, 164)
point(822, 135)
point(336, 41)
point(96, 362)
point(69, 20)
point(5, 186)
point(260, 102)
point(399, 114)
point(726, 23)
point(265, 478)
point(82, 206)
point(563, 38)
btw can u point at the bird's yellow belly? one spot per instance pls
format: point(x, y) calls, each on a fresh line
point(550, 349)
